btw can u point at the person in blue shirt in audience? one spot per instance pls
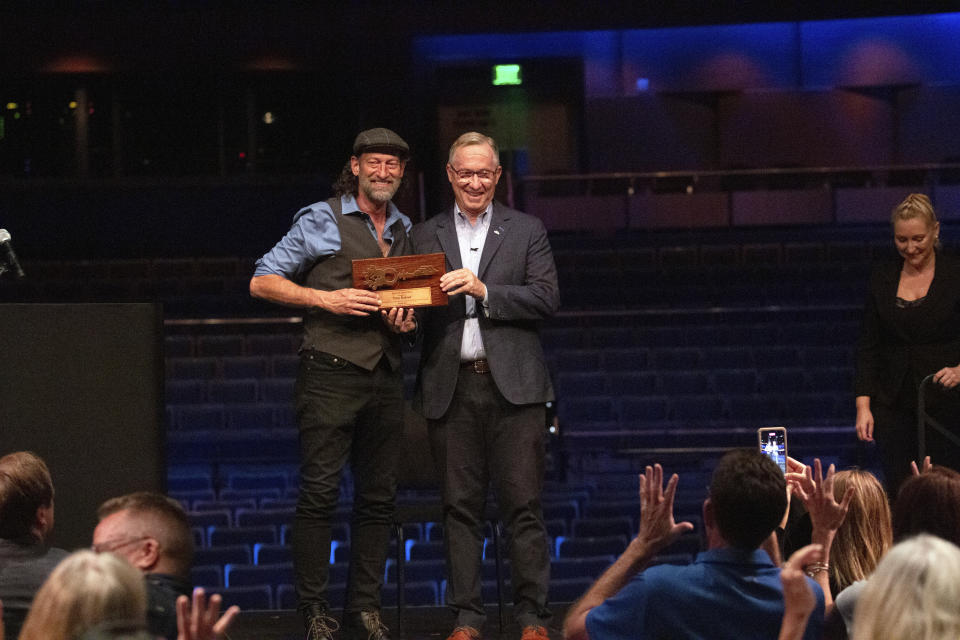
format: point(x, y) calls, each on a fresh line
point(732, 590)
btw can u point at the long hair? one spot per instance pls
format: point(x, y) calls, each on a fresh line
point(866, 532)
point(346, 183)
point(84, 590)
point(914, 593)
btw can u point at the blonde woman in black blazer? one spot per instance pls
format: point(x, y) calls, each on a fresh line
point(910, 329)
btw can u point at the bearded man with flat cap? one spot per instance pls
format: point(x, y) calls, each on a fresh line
point(348, 395)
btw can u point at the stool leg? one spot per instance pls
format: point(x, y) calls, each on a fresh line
point(498, 555)
point(401, 560)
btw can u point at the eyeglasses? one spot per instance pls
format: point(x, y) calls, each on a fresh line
point(374, 164)
point(116, 543)
point(465, 175)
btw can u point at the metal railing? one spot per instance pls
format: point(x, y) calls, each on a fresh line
point(632, 182)
point(924, 420)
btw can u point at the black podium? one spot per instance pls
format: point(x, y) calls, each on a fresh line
point(81, 385)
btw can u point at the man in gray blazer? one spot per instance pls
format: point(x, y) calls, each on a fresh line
point(483, 383)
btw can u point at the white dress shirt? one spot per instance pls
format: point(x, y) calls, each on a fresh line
point(471, 238)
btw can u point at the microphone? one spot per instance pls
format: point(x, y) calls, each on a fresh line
point(8, 255)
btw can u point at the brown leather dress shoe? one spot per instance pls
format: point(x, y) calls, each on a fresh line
point(464, 633)
point(534, 633)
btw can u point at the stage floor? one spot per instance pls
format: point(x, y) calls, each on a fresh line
point(420, 623)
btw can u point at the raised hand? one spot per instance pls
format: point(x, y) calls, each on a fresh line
point(201, 619)
point(657, 526)
point(816, 492)
point(927, 465)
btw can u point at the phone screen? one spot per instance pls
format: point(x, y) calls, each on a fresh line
point(773, 443)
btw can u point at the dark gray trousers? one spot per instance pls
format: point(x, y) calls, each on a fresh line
point(484, 440)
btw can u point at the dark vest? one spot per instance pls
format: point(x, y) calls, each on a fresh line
point(360, 340)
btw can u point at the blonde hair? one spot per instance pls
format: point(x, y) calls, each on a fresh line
point(84, 590)
point(866, 532)
point(916, 205)
point(471, 138)
point(914, 593)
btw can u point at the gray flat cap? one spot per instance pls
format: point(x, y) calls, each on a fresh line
point(380, 140)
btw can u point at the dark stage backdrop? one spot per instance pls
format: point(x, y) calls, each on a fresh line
point(81, 385)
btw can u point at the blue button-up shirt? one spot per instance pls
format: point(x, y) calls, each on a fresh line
point(315, 234)
point(725, 593)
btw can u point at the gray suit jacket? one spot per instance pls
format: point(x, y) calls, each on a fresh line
point(521, 278)
point(23, 569)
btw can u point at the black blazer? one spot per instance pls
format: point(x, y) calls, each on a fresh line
point(897, 343)
point(518, 269)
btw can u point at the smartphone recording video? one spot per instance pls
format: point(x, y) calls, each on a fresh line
point(773, 444)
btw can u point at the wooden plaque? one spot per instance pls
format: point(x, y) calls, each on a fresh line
point(406, 281)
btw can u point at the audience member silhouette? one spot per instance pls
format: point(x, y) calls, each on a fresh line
point(914, 593)
point(26, 523)
point(92, 595)
point(84, 590)
point(152, 532)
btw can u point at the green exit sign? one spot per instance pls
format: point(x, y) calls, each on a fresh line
point(504, 74)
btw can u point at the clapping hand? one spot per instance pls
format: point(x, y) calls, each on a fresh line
point(798, 598)
point(202, 619)
point(927, 465)
point(657, 526)
point(794, 466)
point(816, 492)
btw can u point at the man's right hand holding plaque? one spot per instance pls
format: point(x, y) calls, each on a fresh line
point(463, 281)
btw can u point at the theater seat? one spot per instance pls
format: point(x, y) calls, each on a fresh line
point(588, 567)
point(417, 593)
point(245, 575)
point(222, 536)
point(597, 546)
point(568, 590)
point(223, 555)
point(248, 598)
